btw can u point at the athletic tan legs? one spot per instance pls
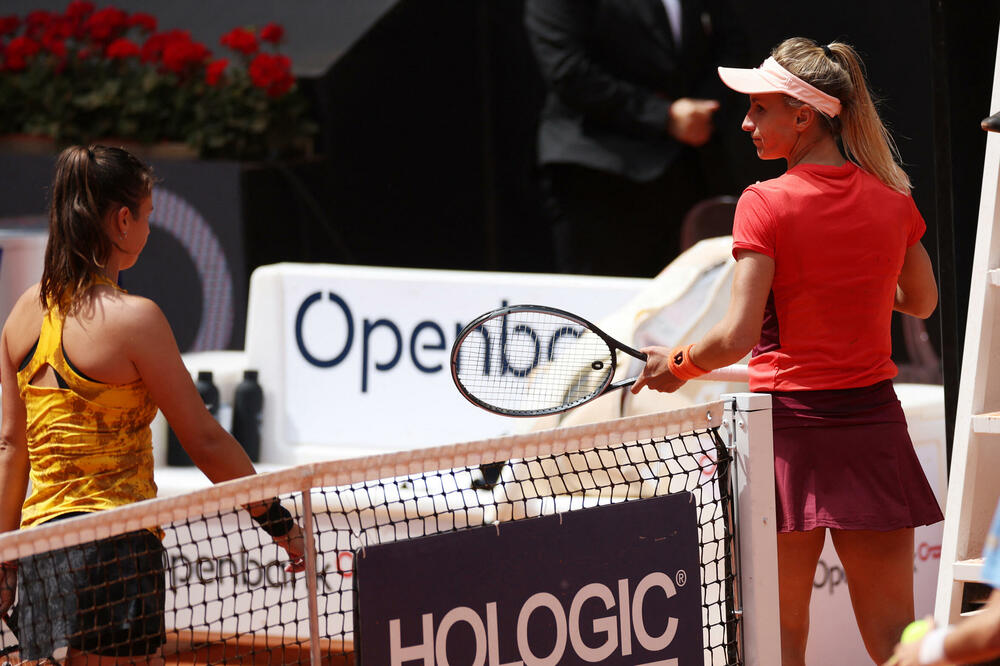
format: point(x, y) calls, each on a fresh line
point(879, 571)
point(798, 554)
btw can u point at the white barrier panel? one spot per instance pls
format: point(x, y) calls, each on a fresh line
point(355, 360)
point(834, 638)
point(22, 253)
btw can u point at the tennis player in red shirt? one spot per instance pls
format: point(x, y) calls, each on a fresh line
point(824, 254)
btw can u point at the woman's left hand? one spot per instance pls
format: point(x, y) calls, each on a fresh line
point(656, 374)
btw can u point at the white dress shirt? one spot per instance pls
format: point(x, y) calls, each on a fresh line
point(673, 8)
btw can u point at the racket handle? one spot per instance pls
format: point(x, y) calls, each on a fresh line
point(730, 373)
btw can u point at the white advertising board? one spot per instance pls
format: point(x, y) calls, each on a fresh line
point(22, 252)
point(355, 360)
point(225, 578)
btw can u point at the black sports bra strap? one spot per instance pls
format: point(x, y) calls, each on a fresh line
point(27, 357)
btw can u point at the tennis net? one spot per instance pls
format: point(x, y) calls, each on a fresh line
point(222, 586)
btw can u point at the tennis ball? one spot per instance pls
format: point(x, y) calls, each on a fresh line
point(915, 631)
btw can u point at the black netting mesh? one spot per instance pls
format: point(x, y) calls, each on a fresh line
point(217, 590)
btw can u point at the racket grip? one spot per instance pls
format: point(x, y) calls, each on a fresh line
point(730, 373)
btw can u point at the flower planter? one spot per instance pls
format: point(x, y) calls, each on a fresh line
point(31, 144)
point(27, 144)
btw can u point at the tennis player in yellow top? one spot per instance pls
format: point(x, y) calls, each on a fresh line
point(84, 366)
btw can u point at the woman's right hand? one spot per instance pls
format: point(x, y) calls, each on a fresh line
point(656, 373)
point(690, 120)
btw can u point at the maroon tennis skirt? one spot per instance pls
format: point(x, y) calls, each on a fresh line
point(843, 459)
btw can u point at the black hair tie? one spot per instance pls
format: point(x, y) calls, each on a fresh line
point(276, 521)
point(827, 52)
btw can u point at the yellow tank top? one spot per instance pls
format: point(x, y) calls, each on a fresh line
point(89, 444)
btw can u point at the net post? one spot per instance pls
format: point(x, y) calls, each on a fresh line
point(310, 558)
point(748, 421)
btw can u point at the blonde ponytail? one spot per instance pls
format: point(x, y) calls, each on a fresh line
point(837, 70)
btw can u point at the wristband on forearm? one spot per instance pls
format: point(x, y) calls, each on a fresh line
point(9, 566)
point(681, 365)
point(276, 521)
point(932, 647)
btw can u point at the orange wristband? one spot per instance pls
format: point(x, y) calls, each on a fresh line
point(681, 365)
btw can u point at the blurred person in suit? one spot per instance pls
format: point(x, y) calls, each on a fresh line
point(626, 138)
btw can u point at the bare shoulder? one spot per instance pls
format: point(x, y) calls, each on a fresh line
point(29, 301)
point(107, 313)
point(133, 314)
point(25, 318)
point(141, 328)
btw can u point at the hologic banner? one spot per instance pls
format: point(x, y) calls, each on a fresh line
point(615, 584)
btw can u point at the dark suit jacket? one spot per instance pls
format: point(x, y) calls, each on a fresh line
point(612, 69)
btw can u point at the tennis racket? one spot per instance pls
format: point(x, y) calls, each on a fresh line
point(533, 360)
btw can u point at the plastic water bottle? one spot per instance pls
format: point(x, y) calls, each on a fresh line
point(208, 391)
point(176, 455)
point(248, 403)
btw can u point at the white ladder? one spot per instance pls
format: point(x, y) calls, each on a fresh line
point(974, 481)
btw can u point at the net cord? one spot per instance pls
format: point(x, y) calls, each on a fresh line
point(303, 478)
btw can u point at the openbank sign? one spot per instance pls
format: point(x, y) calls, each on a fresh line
point(426, 336)
point(539, 592)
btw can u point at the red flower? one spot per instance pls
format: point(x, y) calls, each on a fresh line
point(145, 22)
point(173, 49)
point(54, 45)
point(19, 51)
point(54, 36)
point(35, 23)
point(122, 48)
point(240, 39)
point(79, 9)
point(106, 24)
point(58, 29)
point(273, 73)
point(76, 15)
point(214, 70)
point(273, 33)
point(181, 55)
point(9, 25)
point(152, 49)
point(38, 17)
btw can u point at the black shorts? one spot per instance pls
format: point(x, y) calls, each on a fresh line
point(104, 597)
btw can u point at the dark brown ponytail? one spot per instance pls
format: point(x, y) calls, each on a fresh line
point(89, 184)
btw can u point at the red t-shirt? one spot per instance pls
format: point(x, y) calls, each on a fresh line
point(838, 236)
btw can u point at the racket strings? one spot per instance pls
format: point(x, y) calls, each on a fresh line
point(528, 362)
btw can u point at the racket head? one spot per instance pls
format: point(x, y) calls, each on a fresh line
point(531, 360)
